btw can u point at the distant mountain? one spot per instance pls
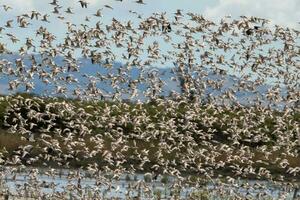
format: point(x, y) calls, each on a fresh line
point(87, 68)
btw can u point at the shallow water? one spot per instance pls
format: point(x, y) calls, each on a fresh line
point(22, 185)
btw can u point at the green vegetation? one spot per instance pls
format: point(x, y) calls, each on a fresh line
point(97, 126)
point(165, 179)
point(147, 178)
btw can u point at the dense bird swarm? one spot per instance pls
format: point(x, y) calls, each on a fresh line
point(208, 105)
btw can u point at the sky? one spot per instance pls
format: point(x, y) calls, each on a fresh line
point(282, 12)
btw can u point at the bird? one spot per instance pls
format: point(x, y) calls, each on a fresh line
point(98, 13)
point(140, 2)
point(45, 18)
point(108, 6)
point(83, 3)
point(69, 11)
point(54, 3)
point(9, 23)
point(164, 94)
point(6, 7)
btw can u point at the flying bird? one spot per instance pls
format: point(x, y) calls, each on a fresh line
point(83, 3)
point(6, 7)
point(140, 2)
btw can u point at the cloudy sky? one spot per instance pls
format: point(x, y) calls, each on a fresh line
point(285, 12)
point(282, 12)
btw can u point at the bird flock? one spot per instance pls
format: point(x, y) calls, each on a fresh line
point(168, 95)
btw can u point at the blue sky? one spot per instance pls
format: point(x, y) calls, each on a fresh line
point(282, 12)
point(285, 13)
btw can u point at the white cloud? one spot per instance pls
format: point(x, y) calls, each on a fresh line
point(43, 5)
point(20, 5)
point(281, 12)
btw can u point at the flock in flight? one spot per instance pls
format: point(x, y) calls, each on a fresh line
point(216, 99)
